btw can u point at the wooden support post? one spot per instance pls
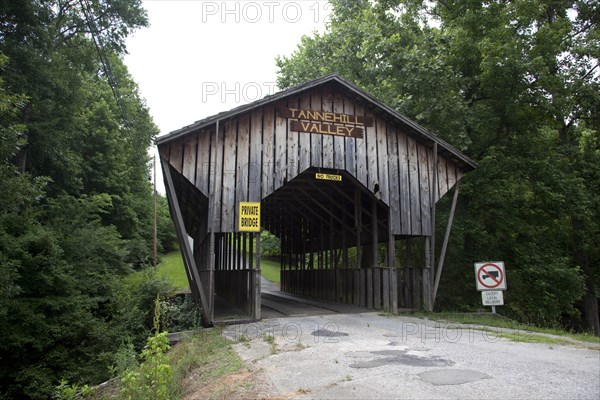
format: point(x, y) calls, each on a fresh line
point(238, 251)
point(211, 276)
point(415, 288)
point(385, 284)
point(376, 282)
point(374, 234)
point(251, 247)
point(340, 282)
point(445, 244)
point(433, 197)
point(188, 257)
point(358, 224)
point(257, 278)
point(393, 288)
point(426, 279)
point(244, 250)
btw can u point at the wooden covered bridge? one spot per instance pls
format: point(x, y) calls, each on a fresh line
point(340, 177)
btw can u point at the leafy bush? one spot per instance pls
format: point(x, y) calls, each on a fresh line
point(270, 245)
point(180, 313)
point(153, 379)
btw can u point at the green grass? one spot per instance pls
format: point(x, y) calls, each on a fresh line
point(171, 267)
point(502, 322)
point(201, 364)
point(270, 269)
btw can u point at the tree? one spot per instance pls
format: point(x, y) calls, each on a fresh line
point(516, 86)
point(75, 200)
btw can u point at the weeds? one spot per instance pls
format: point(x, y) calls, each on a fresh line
point(271, 340)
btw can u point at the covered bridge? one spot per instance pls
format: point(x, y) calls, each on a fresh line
point(340, 177)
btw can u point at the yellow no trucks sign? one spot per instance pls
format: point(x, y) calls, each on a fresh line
point(249, 217)
point(328, 177)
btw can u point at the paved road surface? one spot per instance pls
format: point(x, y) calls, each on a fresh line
point(365, 355)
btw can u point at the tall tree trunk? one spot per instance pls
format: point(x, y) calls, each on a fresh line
point(590, 298)
point(21, 158)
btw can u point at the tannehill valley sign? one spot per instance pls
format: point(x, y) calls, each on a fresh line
point(306, 122)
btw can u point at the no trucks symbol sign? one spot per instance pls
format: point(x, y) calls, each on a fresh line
point(490, 275)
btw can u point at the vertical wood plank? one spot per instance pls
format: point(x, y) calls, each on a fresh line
point(426, 279)
point(175, 155)
point(218, 178)
point(163, 150)
point(242, 163)
point(203, 162)
point(382, 160)
point(350, 143)
point(404, 187)
point(361, 151)
point(255, 161)
point(358, 295)
point(458, 174)
point(394, 182)
point(327, 105)
point(442, 176)
point(228, 197)
point(369, 287)
point(413, 177)
point(304, 142)
point(424, 185)
point(257, 283)
point(339, 155)
point(268, 165)
point(395, 294)
point(280, 165)
point(189, 158)
point(371, 140)
point(451, 174)
point(292, 146)
point(376, 288)
point(316, 141)
point(385, 284)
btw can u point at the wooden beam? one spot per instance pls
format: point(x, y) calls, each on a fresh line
point(257, 283)
point(426, 279)
point(213, 198)
point(358, 224)
point(392, 267)
point(188, 256)
point(322, 207)
point(317, 215)
point(351, 200)
point(433, 192)
point(374, 233)
point(445, 244)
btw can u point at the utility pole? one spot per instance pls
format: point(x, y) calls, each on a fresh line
point(154, 188)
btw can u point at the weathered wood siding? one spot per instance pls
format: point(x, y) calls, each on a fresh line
point(255, 153)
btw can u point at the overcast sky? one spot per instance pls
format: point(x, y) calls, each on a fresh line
point(199, 58)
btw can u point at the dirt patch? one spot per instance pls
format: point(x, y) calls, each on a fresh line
point(244, 384)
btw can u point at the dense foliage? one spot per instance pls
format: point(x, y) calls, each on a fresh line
point(75, 199)
point(515, 85)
